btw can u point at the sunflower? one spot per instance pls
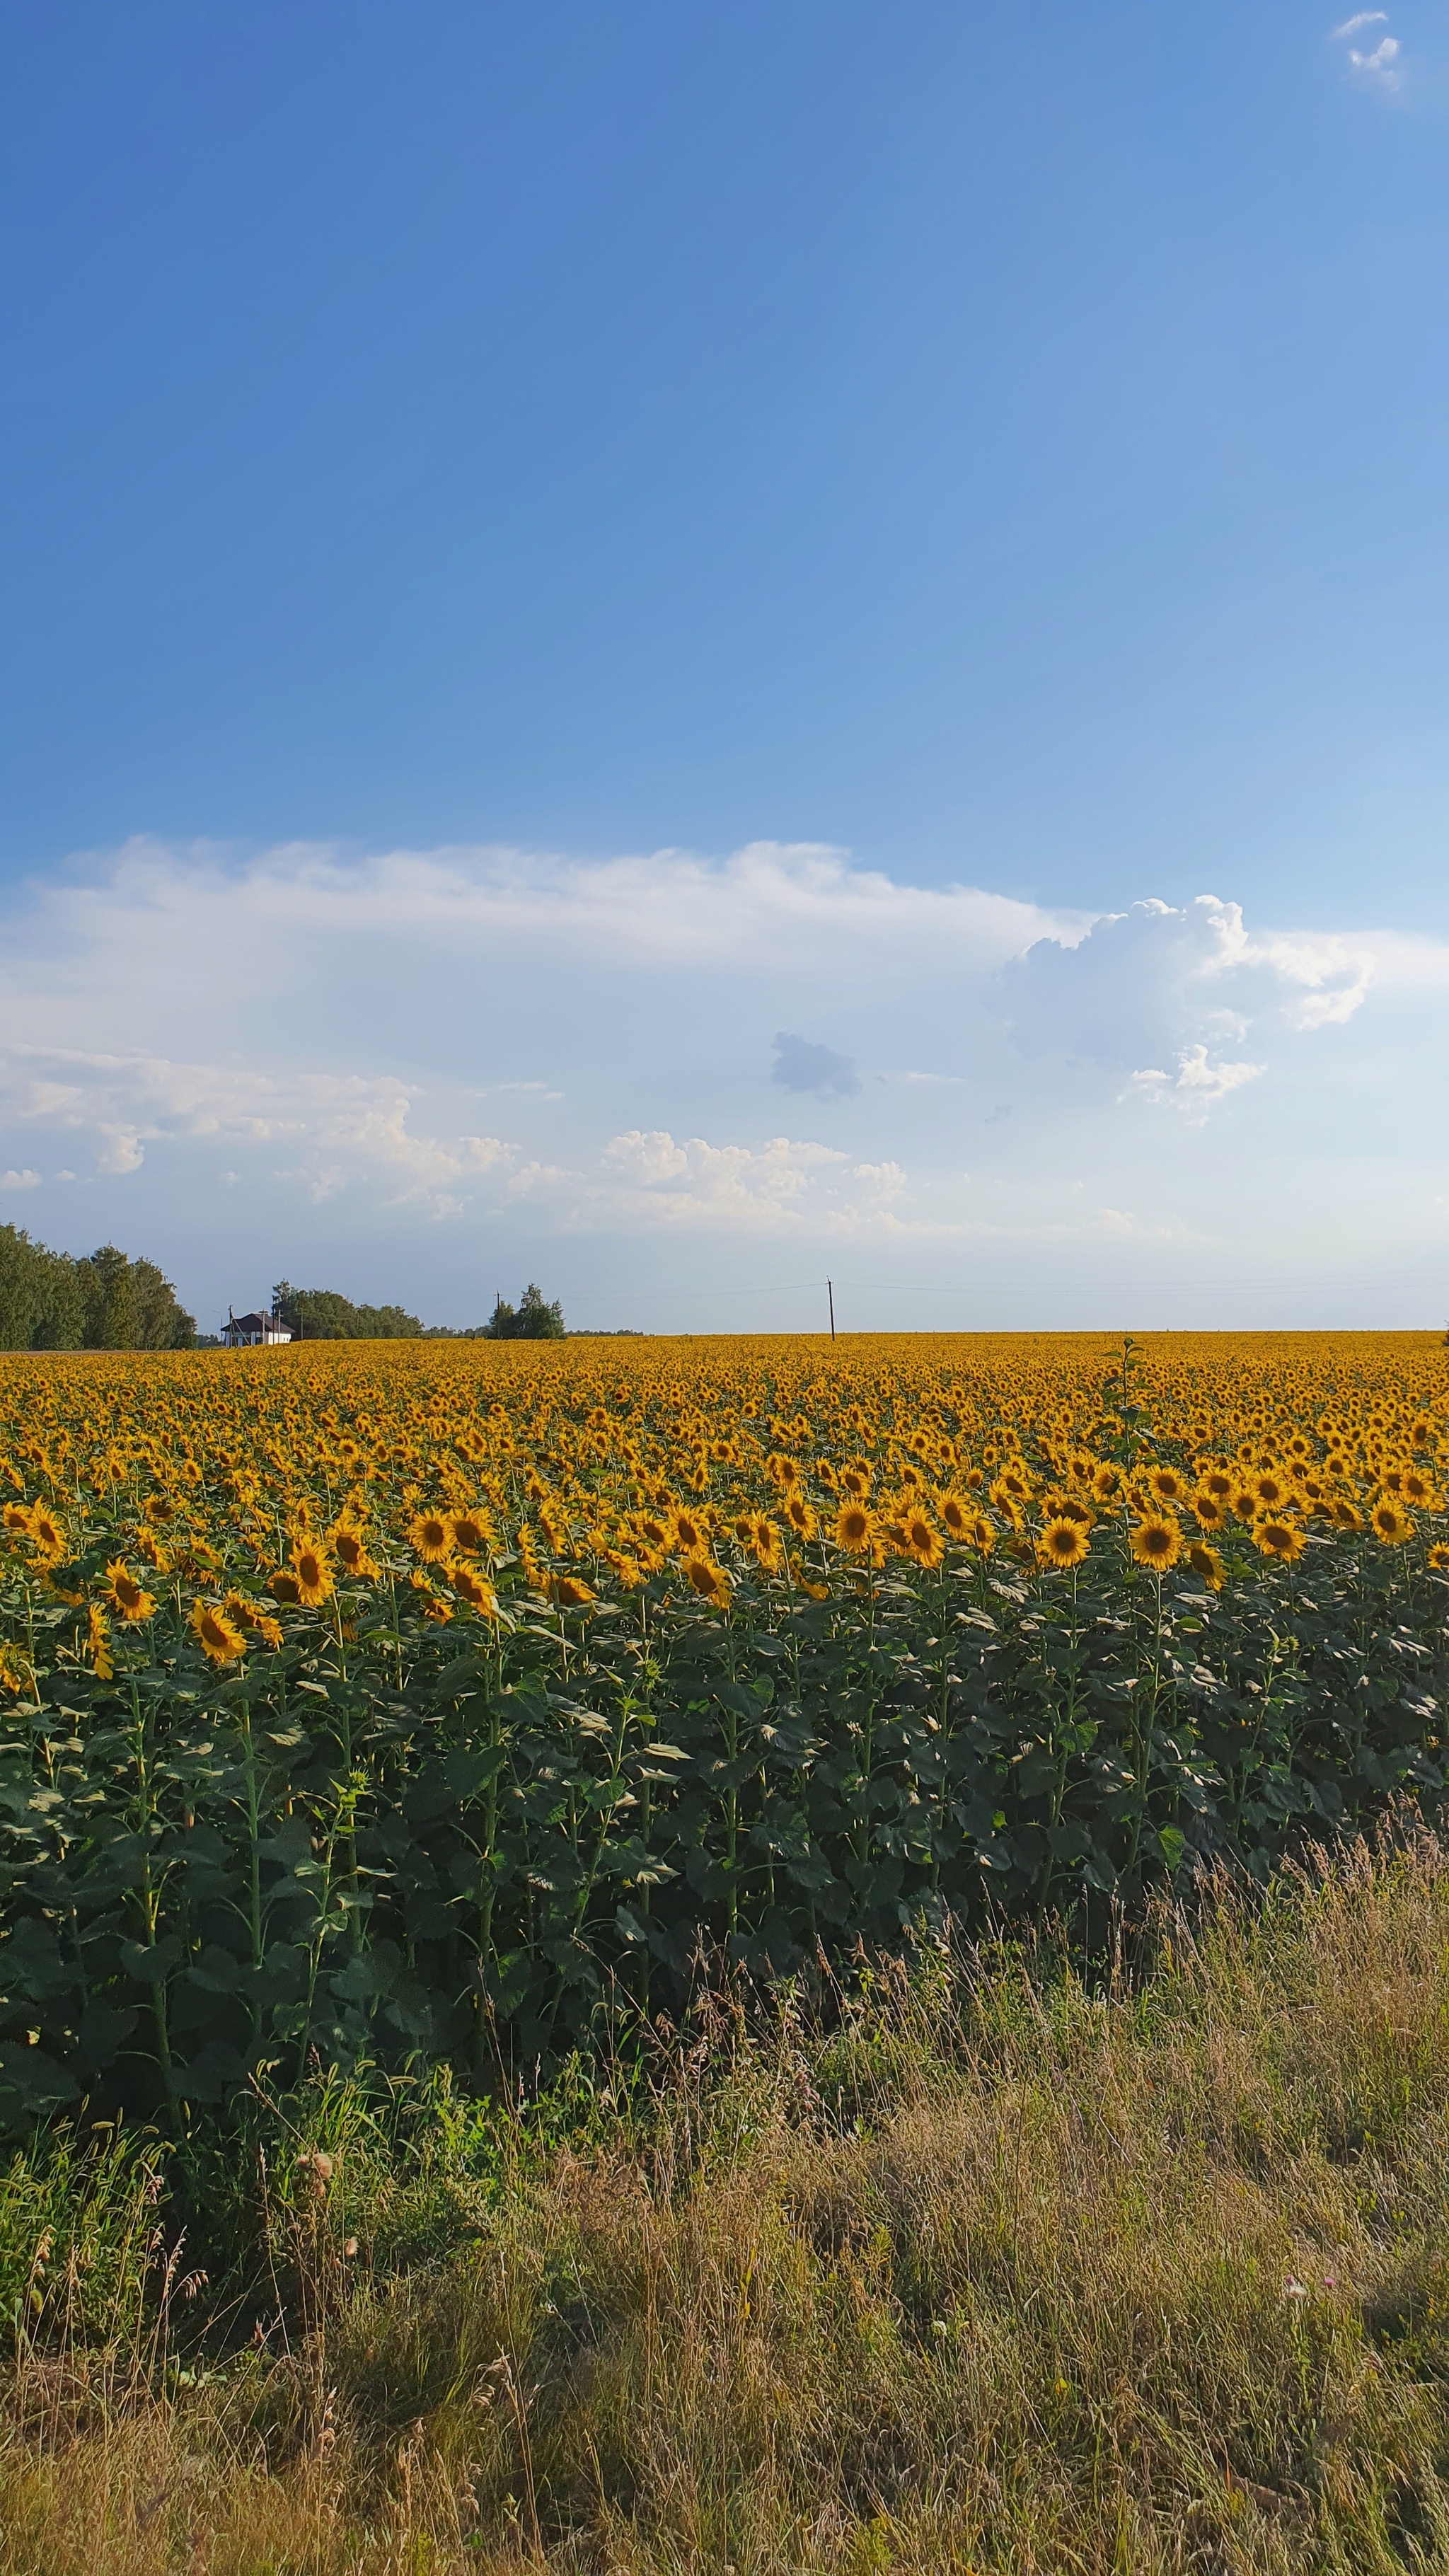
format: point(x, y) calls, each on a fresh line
point(312, 1569)
point(1419, 1490)
point(768, 1544)
point(1282, 1539)
point(707, 1579)
point(349, 1547)
point(1063, 1542)
point(430, 1537)
point(1206, 1564)
point(1166, 1486)
point(219, 1641)
point(250, 1616)
point(686, 1536)
point(98, 1638)
point(125, 1595)
point(1438, 1556)
point(480, 1596)
point(47, 1535)
point(1157, 1542)
point(1217, 1482)
point(854, 1529)
point(1207, 1511)
point(800, 1516)
point(1270, 1489)
point(1390, 1526)
point(1245, 1504)
point(284, 1586)
point(1107, 1483)
point(568, 1593)
point(14, 1675)
point(923, 1541)
point(474, 1533)
point(981, 1534)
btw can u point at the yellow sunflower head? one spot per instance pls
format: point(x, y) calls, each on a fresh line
point(1206, 1564)
point(430, 1536)
point(1156, 1542)
point(313, 1571)
point(126, 1596)
point(1064, 1542)
point(708, 1580)
point(219, 1641)
point(854, 1528)
point(1279, 1538)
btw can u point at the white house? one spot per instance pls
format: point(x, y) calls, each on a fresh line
point(243, 1332)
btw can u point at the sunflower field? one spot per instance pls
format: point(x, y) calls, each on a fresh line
point(376, 1704)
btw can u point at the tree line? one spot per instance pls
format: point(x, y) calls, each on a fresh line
point(105, 1301)
point(99, 1301)
point(324, 1315)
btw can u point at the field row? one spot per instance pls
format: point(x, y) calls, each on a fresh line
point(433, 1702)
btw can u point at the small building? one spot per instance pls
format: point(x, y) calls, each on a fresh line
point(244, 1332)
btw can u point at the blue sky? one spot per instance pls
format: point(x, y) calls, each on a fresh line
point(550, 550)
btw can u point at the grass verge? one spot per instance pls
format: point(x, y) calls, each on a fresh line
point(991, 2271)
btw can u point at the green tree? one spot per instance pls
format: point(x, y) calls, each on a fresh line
point(129, 1305)
point(533, 1319)
point(40, 1298)
point(324, 1315)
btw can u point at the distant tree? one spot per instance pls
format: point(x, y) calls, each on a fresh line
point(533, 1319)
point(106, 1302)
point(129, 1305)
point(324, 1315)
point(40, 1300)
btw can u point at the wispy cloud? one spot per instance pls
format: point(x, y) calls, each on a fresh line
point(1378, 69)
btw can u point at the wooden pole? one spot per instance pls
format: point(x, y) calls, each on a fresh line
point(830, 1293)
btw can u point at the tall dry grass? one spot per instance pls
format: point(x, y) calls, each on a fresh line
point(995, 2273)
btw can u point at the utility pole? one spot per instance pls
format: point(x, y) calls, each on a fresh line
point(830, 1293)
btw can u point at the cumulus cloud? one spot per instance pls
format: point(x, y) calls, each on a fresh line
point(800, 1066)
point(1197, 1083)
point(773, 1186)
point(20, 1180)
point(325, 1030)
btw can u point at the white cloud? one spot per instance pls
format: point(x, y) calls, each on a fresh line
point(20, 1180)
point(325, 1030)
point(1197, 1082)
point(1380, 65)
point(774, 1186)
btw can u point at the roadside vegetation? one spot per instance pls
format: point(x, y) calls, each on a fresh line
point(982, 2265)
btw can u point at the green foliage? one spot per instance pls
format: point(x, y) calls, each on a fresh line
point(41, 1307)
point(322, 1315)
point(981, 2271)
point(533, 1319)
point(103, 1302)
point(390, 1840)
point(128, 1306)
